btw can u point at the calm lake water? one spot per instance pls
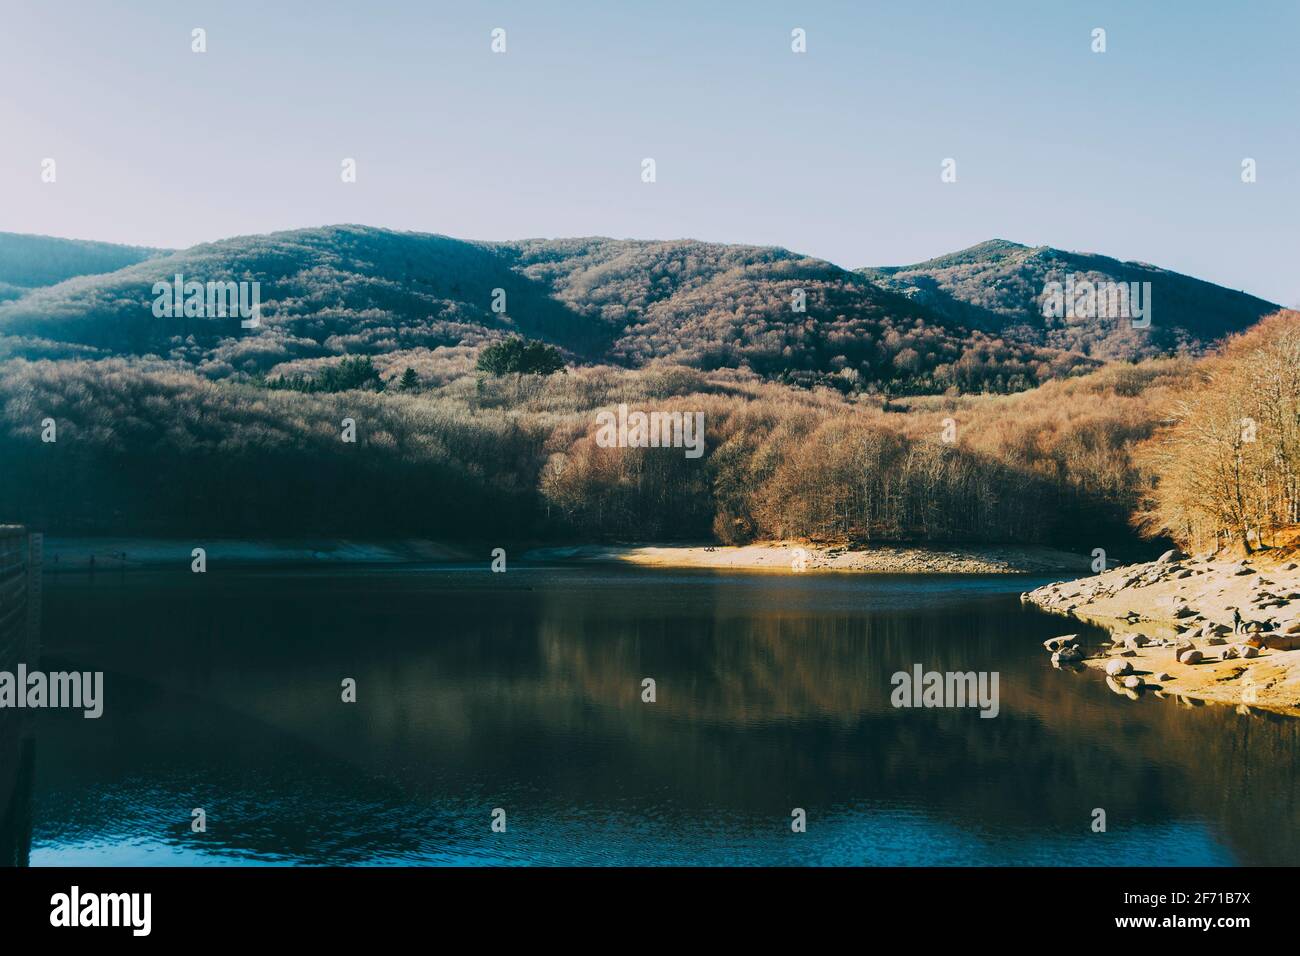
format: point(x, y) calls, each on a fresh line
point(523, 691)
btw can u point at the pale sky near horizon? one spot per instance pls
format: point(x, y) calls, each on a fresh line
point(1134, 153)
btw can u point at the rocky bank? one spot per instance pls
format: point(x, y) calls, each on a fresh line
point(1205, 628)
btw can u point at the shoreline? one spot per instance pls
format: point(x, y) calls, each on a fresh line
point(119, 553)
point(1158, 611)
point(786, 557)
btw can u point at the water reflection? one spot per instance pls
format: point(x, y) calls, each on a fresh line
point(523, 691)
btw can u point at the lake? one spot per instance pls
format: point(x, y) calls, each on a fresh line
point(523, 691)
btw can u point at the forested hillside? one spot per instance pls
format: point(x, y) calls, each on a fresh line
point(351, 289)
point(866, 416)
point(998, 286)
point(153, 446)
point(324, 293)
point(28, 262)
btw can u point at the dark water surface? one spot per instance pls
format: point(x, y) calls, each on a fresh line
point(523, 691)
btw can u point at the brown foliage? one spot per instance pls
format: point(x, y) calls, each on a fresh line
point(1224, 469)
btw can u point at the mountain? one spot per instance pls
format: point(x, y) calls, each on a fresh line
point(713, 306)
point(29, 262)
point(353, 289)
point(998, 286)
point(967, 322)
point(324, 292)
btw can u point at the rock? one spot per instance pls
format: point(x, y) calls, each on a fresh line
point(1170, 556)
point(1127, 652)
point(1246, 650)
point(1136, 640)
point(1057, 643)
point(1184, 611)
point(1230, 653)
point(1120, 689)
point(1117, 668)
point(1216, 641)
point(1182, 647)
point(1132, 682)
point(1161, 677)
point(1190, 657)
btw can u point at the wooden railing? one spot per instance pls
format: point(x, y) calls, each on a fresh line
point(20, 625)
point(20, 592)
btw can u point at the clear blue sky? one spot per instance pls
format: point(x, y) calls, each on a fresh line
point(1134, 153)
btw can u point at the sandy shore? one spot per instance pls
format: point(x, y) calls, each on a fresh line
point(113, 553)
point(788, 556)
point(1158, 611)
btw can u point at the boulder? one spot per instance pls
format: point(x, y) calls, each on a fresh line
point(1132, 682)
point(1170, 556)
point(1190, 657)
point(1057, 643)
point(1160, 677)
point(1216, 641)
point(1117, 668)
point(1246, 650)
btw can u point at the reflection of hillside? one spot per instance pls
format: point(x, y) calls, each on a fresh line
point(764, 702)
